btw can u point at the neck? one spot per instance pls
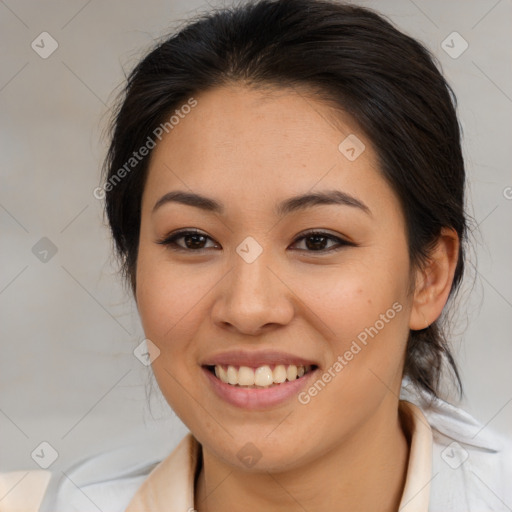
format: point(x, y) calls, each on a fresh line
point(365, 472)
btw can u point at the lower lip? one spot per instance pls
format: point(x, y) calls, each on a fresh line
point(254, 398)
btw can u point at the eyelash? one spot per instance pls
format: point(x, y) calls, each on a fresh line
point(170, 241)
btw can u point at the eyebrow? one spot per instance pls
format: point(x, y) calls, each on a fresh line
point(292, 204)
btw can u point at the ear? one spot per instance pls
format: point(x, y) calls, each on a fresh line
point(434, 281)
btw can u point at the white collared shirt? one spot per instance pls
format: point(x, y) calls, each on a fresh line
point(455, 464)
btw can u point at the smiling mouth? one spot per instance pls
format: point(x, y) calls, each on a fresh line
point(265, 376)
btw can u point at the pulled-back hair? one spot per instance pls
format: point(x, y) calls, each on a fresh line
point(347, 56)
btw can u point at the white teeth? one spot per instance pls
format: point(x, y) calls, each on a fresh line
point(245, 376)
point(262, 376)
point(222, 373)
point(291, 372)
point(279, 373)
point(232, 375)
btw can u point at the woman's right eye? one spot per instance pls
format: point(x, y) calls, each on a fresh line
point(194, 241)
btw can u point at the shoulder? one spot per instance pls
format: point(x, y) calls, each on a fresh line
point(113, 494)
point(105, 481)
point(471, 462)
point(23, 490)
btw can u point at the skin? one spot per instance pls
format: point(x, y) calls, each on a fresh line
point(251, 149)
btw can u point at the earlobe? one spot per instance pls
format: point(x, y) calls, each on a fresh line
point(434, 281)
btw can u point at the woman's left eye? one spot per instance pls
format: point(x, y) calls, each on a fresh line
point(320, 238)
point(195, 240)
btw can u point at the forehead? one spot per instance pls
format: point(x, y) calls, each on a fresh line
point(268, 116)
point(254, 144)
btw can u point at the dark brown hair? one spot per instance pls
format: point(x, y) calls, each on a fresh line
point(348, 55)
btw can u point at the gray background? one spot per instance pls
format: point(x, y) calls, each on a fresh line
point(68, 375)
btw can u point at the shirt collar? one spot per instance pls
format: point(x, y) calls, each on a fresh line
point(449, 420)
point(170, 486)
point(416, 493)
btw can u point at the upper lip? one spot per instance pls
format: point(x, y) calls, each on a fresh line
point(255, 358)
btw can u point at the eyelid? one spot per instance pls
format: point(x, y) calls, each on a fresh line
point(340, 240)
point(169, 240)
point(323, 232)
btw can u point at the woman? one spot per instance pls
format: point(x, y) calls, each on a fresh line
point(285, 189)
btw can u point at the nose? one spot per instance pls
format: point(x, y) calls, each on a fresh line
point(253, 298)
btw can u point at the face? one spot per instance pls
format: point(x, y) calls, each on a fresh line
point(264, 284)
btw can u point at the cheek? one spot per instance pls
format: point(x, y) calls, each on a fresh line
point(364, 348)
point(170, 309)
point(351, 297)
point(363, 307)
point(172, 302)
